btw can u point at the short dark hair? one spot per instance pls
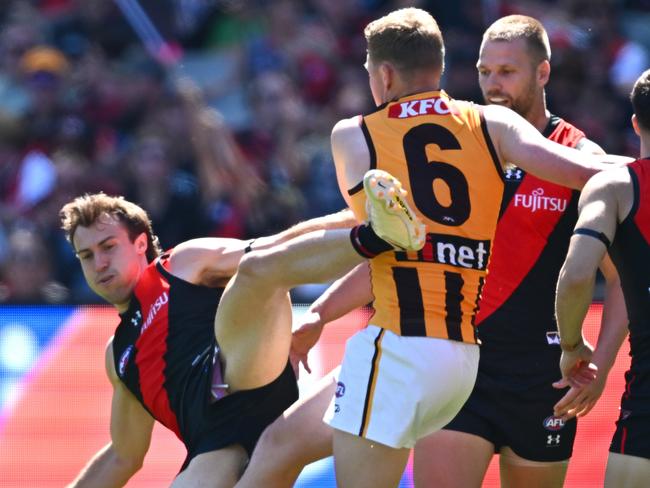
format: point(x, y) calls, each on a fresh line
point(514, 27)
point(640, 98)
point(408, 38)
point(85, 210)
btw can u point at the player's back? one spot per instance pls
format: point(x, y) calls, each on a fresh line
point(440, 150)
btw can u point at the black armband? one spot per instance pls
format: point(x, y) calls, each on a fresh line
point(249, 247)
point(592, 233)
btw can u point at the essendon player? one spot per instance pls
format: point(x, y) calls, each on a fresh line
point(614, 216)
point(510, 410)
point(203, 341)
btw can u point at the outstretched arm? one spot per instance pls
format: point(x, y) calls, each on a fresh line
point(518, 142)
point(131, 427)
point(344, 295)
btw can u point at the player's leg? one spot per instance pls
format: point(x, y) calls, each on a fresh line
point(216, 469)
point(253, 322)
point(518, 472)
point(368, 464)
point(441, 460)
point(628, 464)
point(625, 471)
point(295, 439)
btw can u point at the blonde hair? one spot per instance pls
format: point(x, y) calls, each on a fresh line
point(514, 27)
point(85, 210)
point(408, 38)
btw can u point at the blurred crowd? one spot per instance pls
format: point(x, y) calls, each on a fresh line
point(219, 125)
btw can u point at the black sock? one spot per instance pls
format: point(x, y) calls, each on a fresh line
point(367, 243)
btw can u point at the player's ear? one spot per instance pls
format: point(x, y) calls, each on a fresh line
point(141, 243)
point(543, 72)
point(387, 75)
point(635, 125)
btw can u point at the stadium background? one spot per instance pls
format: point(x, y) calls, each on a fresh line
point(224, 116)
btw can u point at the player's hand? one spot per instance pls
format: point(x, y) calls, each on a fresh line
point(304, 338)
point(578, 401)
point(576, 367)
point(577, 372)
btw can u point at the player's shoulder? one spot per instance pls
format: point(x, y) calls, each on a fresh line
point(109, 361)
point(496, 113)
point(609, 182)
point(345, 127)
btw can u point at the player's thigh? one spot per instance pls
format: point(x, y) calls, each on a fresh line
point(518, 472)
point(295, 439)
point(362, 463)
point(451, 459)
point(302, 428)
point(254, 337)
point(625, 471)
point(215, 469)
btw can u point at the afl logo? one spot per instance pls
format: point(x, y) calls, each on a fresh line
point(123, 360)
point(340, 390)
point(553, 423)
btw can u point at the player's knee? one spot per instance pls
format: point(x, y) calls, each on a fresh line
point(254, 268)
point(275, 440)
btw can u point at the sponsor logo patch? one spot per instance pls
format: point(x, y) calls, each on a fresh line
point(124, 359)
point(553, 440)
point(453, 250)
point(536, 200)
point(552, 337)
point(340, 390)
point(553, 423)
point(136, 319)
point(155, 307)
point(415, 108)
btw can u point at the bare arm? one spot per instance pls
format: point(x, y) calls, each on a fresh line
point(517, 141)
point(604, 202)
point(344, 295)
point(578, 401)
point(351, 155)
point(613, 325)
point(131, 427)
point(212, 261)
point(598, 212)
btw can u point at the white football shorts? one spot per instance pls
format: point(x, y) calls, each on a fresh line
point(395, 390)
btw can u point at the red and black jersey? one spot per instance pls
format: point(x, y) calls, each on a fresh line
point(630, 252)
point(165, 353)
point(516, 314)
point(164, 339)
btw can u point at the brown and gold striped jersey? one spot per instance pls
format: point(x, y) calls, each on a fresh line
point(440, 150)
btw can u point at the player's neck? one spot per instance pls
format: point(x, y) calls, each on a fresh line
point(417, 84)
point(645, 146)
point(539, 116)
